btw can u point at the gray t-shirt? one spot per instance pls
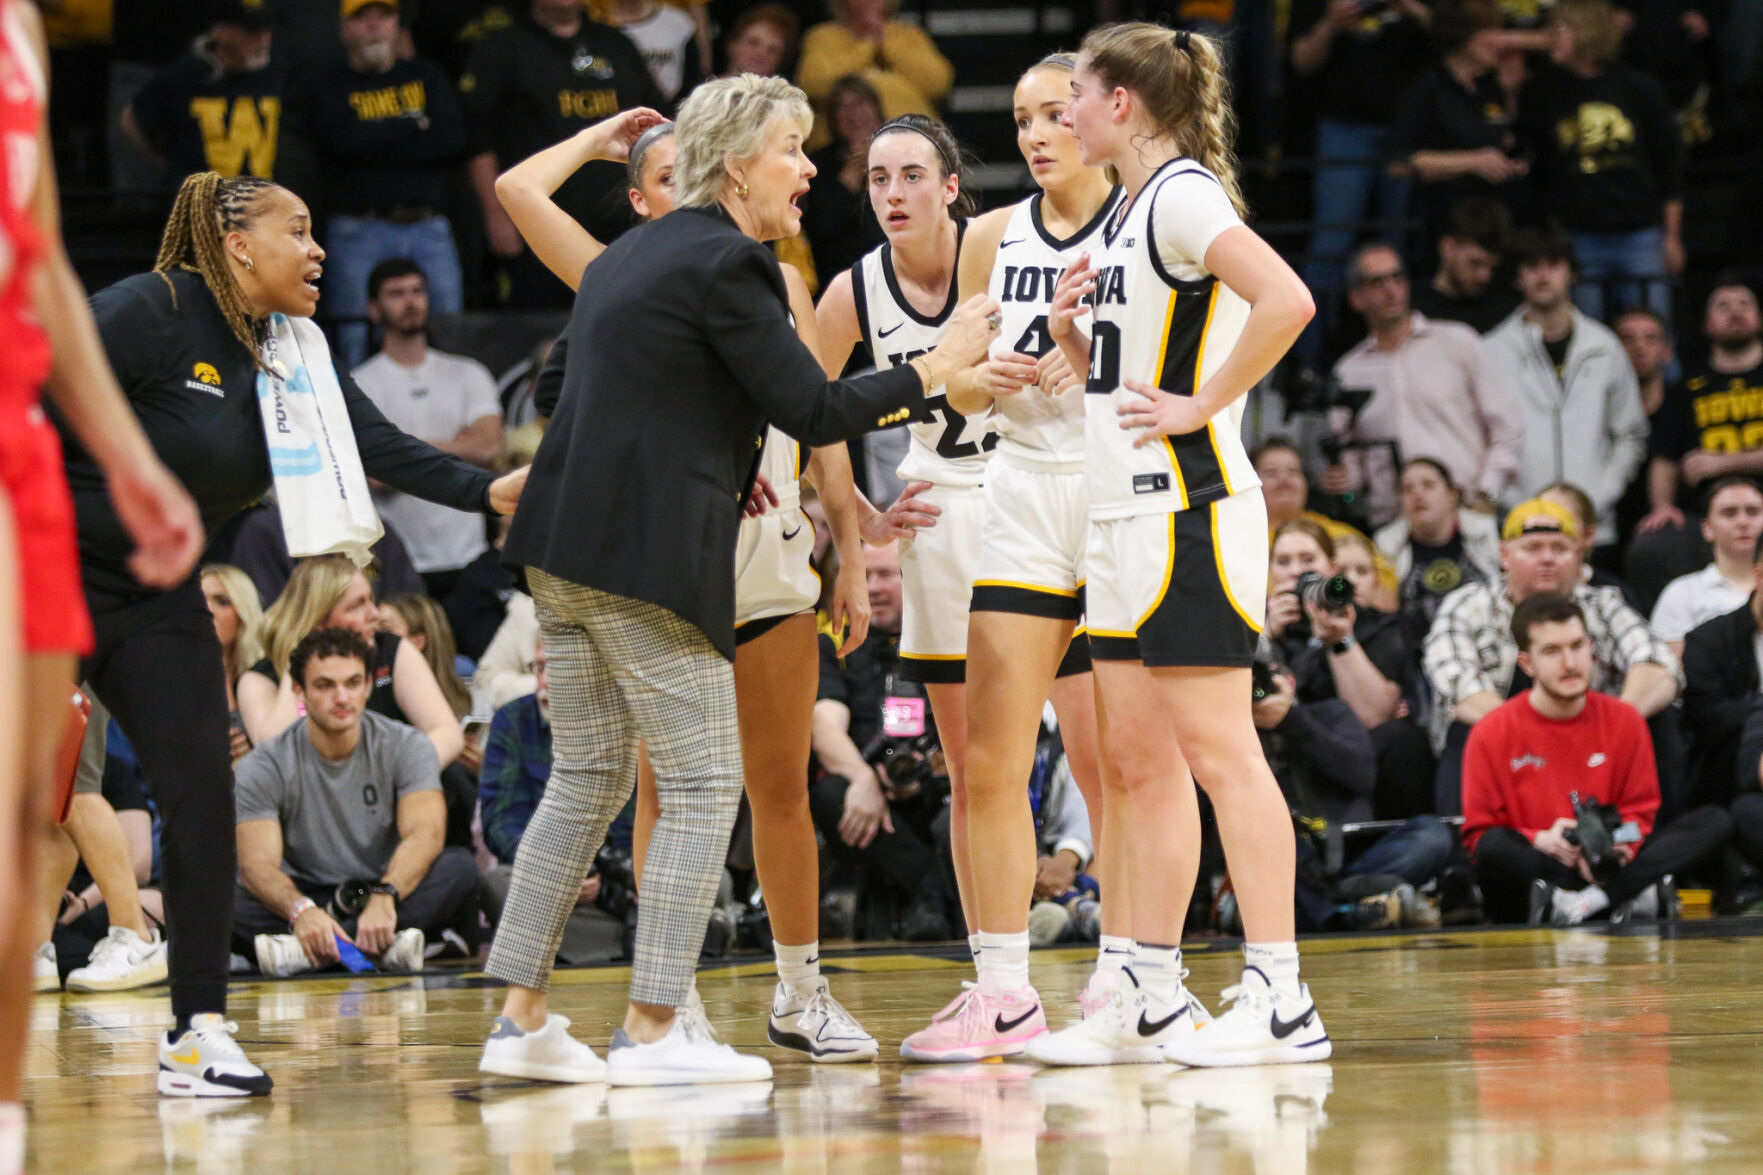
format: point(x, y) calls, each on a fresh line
point(339, 820)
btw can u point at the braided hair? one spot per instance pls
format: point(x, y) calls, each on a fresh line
point(207, 208)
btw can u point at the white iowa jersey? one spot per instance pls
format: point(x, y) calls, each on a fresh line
point(951, 451)
point(781, 463)
point(1161, 318)
point(1031, 426)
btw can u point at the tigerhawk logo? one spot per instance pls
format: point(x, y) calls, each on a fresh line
point(207, 379)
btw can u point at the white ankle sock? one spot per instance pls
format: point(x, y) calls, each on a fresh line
point(1158, 970)
point(11, 1138)
point(798, 967)
point(973, 946)
point(1003, 963)
point(1113, 953)
point(1276, 960)
point(1590, 900)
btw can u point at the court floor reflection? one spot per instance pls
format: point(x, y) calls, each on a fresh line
point(1497, 1051)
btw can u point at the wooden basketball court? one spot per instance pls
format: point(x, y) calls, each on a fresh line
point(1499, 1051)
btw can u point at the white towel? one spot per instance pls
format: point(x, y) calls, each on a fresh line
point(320, 486)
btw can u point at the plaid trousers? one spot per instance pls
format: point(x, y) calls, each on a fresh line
point(621, 670)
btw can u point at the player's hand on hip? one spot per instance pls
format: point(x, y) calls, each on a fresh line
point(1157, 414)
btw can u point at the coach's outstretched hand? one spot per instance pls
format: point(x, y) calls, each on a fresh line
point(908, 515)
point(971, 330)
point(505, 491)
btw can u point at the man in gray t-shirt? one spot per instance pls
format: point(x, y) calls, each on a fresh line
point(341, 822)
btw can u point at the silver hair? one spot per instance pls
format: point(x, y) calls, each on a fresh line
point(725, 121)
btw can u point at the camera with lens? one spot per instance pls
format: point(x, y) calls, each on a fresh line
point(907, 763)
point(1331, 593)
point(1597, 830)
point(1261, 681)
point(351, 897)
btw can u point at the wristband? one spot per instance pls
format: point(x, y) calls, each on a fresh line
point(384, 887)
point(299, 908)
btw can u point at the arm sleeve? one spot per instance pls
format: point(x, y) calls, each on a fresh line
point(131, 325)
point(407, 464)
point(745, 317)
point(1449, 657)
point(256, 787)
point(1188, 212)
point(1335, 745)
point(418, 768)
point(1484, 803)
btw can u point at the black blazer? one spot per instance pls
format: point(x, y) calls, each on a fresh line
point(1720, 695)
point(680, 349)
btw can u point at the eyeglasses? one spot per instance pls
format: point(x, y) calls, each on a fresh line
point(1367, 280)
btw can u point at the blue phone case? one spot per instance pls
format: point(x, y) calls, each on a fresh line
point(351, 957)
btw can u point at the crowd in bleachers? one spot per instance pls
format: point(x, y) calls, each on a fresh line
point(1535, 377)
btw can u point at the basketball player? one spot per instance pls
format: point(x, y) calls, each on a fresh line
point(776, 589)
point(1191, 308)
point(897, 300)
point(47, 339)
point(1027, 596)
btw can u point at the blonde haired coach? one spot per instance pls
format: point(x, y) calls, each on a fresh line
point(680, 350)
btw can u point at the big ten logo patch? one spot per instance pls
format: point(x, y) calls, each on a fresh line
point(239, 134)
point(408, 100)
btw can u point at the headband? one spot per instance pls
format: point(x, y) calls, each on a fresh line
point(950, 166)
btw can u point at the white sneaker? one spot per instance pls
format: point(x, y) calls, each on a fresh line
point(207, 1062)
point(689, 1054)
point(280, 955)
point(122, 960)
point(45, 971)
point(406, 951)
point(550, 1054)
point(815, 1023)
point(1264, 1026)
point(1126, 1030)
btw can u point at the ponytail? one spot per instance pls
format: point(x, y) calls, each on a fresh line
point(1179, 78)
point(206, 209)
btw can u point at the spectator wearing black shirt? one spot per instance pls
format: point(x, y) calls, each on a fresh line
point(217, 108)
point(387, 132)
point(1437, 545)
point(1354, 55)
point(1357, 654)
point(1646, 339)
point(548, 74)
point(1609, 160)
point(1453, 130)
point(862, 816)
point(1672, 42)
point(1721, 694)
point(1712, 429)
point(1476, 234)
point(836, 216)
point(145, 35)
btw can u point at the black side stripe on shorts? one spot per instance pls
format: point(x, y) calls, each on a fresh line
point(1025, 601)
point(933, 670)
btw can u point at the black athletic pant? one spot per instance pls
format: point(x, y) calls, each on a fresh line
point(443, 900)
point(1506, 864)
point(903, 858)
point(157, 667)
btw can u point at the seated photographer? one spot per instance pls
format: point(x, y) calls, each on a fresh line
point(517, 766)
point(1471, 659)
point(340, 827)
point(1539, 854)
point(1323, 759)
point(1721, 692)
point(1358, 654)
point(882, 787)
point(1437, 545)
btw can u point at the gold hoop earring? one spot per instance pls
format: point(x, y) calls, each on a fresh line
point(741, 190)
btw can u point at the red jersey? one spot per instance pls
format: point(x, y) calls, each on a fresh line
point(1519, 767)
point(24, 348)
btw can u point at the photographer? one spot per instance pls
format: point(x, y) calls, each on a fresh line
point(340, 826)
point(1524, 764)
point(1339, 649)
point(882, 786)
point(1323, 760)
